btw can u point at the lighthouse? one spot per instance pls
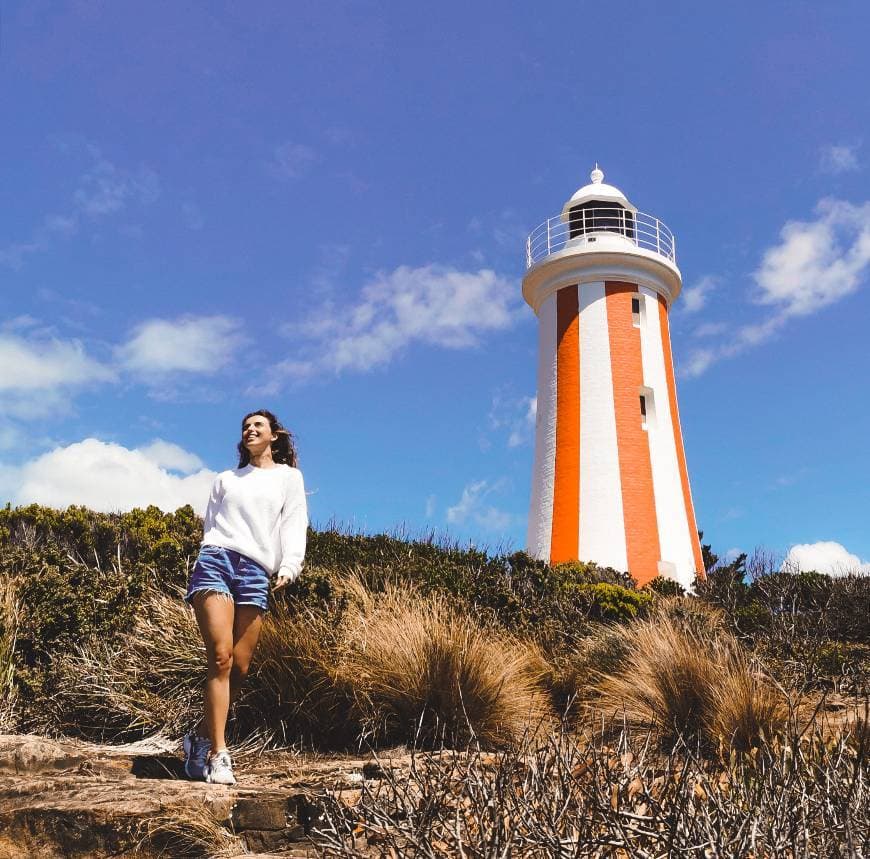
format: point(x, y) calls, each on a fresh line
point(609, 481)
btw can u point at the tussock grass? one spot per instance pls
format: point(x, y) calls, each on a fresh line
point(10, 618)
point(148, 682)
point(389, 666)
point(187, 834)
point(297, 689)
point(688, 683)
point(420, 667)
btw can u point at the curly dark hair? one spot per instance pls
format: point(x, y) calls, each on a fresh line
point(283, 448)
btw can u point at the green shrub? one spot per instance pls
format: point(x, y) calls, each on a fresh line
point(665, 587)
point(608, 602)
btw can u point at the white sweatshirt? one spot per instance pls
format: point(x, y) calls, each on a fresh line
point(260, 513)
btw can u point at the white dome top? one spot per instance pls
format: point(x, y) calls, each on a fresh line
point(609, 195)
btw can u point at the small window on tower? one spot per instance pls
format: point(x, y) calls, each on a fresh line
point(635, 311)
point(647, 408)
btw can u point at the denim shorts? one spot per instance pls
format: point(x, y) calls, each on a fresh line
point(224, 571)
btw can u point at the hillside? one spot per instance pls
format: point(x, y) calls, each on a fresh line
point(492, 681)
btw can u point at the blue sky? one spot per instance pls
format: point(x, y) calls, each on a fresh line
point(212, 207)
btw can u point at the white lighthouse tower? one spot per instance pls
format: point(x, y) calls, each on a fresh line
point(610, 482)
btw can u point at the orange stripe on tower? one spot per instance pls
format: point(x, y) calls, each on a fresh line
point(678, 437)
point(564, 545)
point(635, 466)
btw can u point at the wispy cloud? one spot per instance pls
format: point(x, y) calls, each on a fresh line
point(814, 265)
point(292, 160)
point(104, 190)
point(200, 344)
point(107, 189)
point(839, 158)
point(473, 507)
point(516, 415)
point(432, 304)
point(695, 297)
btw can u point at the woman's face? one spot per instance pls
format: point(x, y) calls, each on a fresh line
point(257, 435)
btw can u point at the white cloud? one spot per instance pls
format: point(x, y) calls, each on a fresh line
point(514, 414)
point(695, 297)
point(431, 304)
point(40, 373)
point(40, 364)
point(824, 557)
point(818, 262)
point(430, 506)
point(172, 457)
point(710, 329)
point(814, 265)
point(201, 344)
point(841, 158)
point(108, 477)
point(525, 432)
point(9, 437)
point(473, 507)
point(699, 361)
point(292, 160)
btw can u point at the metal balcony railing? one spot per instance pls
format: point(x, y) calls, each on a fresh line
point(644, 231)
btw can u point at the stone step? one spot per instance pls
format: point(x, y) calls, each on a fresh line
point(73, 799)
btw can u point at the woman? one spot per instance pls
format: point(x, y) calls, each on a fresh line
point(255, 527)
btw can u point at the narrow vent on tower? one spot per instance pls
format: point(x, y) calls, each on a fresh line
point(635, 311)
point(647, 408)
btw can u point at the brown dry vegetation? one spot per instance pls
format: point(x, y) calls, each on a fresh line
point(578, 795)
point(147, 681)
point(10, 617)
point(418, 666)
point(688, 678)
point(560, 671)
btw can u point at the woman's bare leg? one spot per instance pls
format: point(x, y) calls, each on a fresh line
point(246, 633)
point(215, 613)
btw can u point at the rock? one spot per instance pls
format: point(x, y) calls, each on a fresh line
point(66, 798)
point(261, 812)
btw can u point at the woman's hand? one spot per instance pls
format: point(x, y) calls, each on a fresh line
point(281, 580)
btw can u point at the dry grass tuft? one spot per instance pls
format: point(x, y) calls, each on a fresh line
point(187, 833)
point(696, 617)
point(10, 617)
point(420, 668)
point(296, 685)
point(687, 684)
point(149, 682)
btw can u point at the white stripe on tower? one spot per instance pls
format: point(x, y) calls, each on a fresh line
point(544, 469)
point(674, 538)
point(602, 525)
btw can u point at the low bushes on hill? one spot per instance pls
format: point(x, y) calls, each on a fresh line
point(382, 635)
point(82, 576)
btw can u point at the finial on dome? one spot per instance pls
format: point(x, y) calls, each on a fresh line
point(597, 175)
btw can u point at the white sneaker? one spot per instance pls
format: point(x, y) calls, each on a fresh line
point(196, 751)
point(219, 769)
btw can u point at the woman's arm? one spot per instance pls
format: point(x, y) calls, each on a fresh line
point(214, 500)
point(294, 527)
